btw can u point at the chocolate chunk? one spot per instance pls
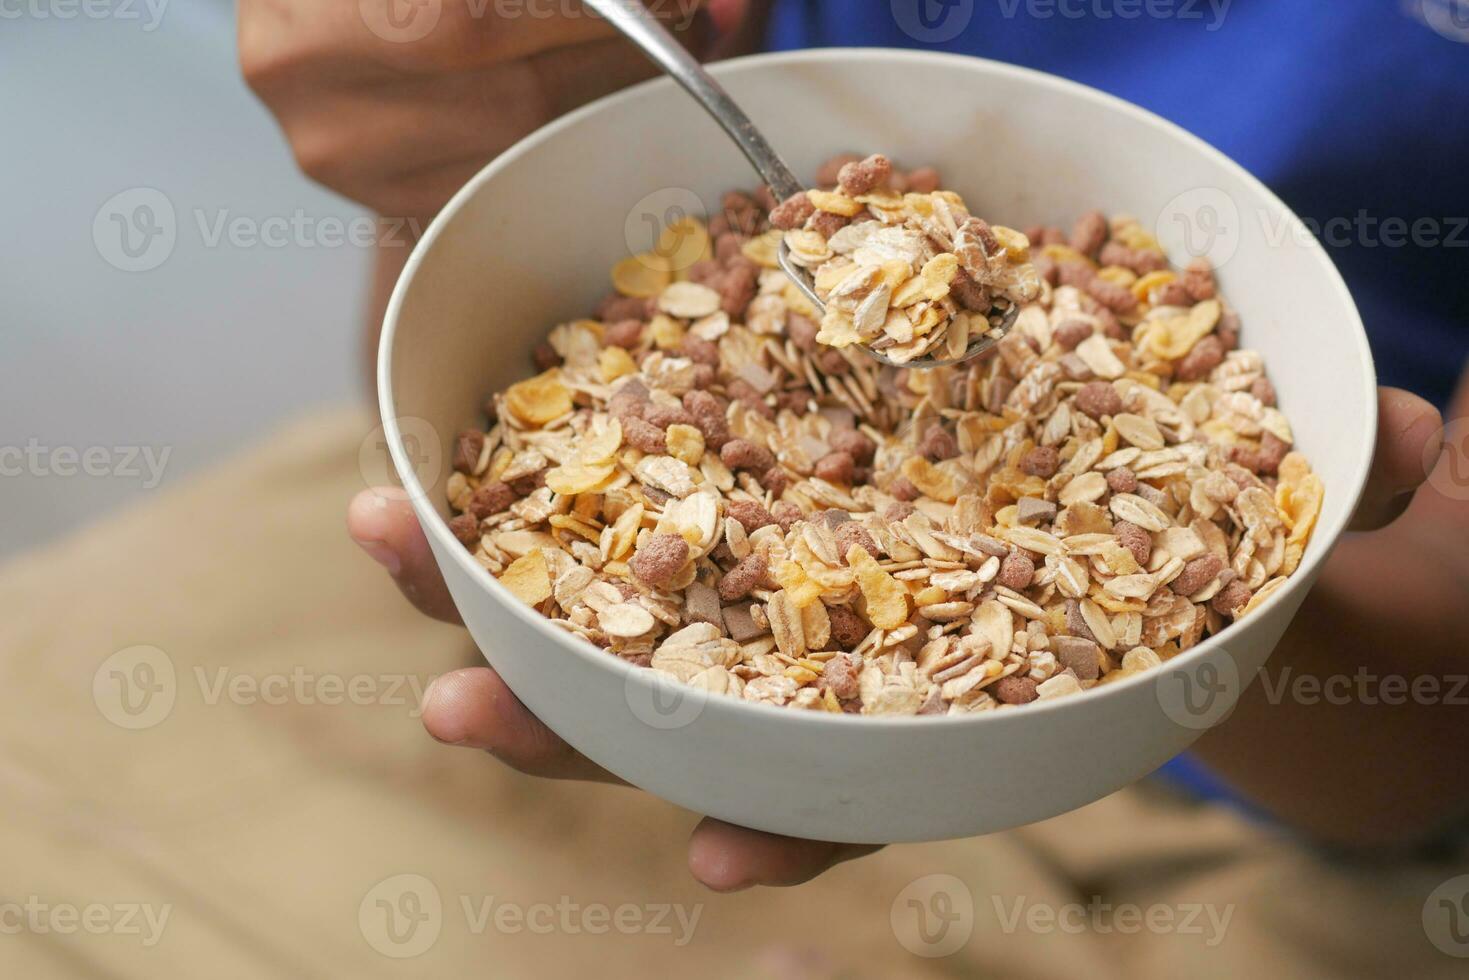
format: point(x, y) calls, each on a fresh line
point(701, 603)
point(1082, 657)
point(741, 624)
point(1031, 510)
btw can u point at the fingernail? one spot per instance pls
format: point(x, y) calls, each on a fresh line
point(383, 555)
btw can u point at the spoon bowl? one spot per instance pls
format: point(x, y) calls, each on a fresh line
point(978, 346)
point(643, 29)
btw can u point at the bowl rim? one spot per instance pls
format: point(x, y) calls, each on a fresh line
point(1325, 537)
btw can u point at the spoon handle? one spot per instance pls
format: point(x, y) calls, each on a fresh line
point(643, 29)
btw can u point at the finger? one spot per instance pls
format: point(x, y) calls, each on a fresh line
point(465, 37)
point(727, 858)
point(1447, 463)
point(431, 134)
point(473, 708)
point(1407, 427)
point(385, 527)
point(728, 14)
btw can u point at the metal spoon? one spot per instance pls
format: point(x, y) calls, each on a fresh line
point(643, 29)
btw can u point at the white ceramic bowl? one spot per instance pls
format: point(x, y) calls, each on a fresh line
point(528, 244)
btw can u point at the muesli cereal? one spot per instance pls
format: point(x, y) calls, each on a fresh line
point(696, 485)
point(908, 272)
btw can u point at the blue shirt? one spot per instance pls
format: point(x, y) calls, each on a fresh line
point(1355, 112)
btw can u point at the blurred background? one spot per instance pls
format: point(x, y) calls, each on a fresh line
point(242, 321)
point(186, 787)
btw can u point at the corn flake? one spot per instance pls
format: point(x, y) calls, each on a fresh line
point(1173, 337)
point(574, 478)
point(763, 249)
point(933, 481)
point(835, 203)
point(1300, 506)
point(684, 242)
point(686, 443)
point(539, 400)
point(615, 362)
point(886, 598)
point(937, 273)
point(528, 578)
point(800, 587)
point(642, 276)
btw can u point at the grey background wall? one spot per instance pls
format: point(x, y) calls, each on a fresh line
point(250, 313)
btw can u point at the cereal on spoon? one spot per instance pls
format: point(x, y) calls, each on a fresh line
point(908, 273)
point(696, 485)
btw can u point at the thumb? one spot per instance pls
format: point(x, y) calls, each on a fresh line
point(384, 526)
point(727, 14)
point(1409, 430)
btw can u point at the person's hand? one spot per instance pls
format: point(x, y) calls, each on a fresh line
point(473, 708)
point(396, 103)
